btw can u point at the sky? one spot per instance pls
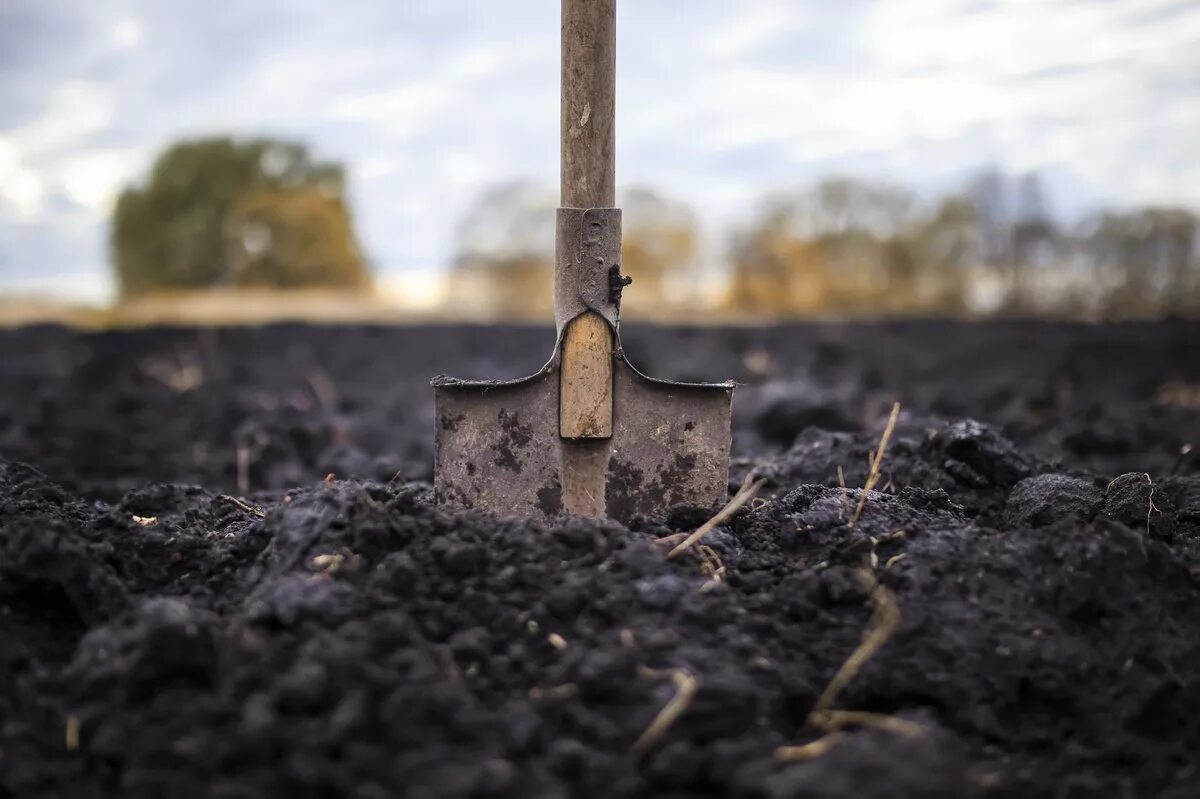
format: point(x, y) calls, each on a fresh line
point(430, 102)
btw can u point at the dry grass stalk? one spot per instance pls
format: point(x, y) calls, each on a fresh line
point(845, 491)
point(811, 750)
point(244, 506)
point(72, 733)
point(884, 621)
point(671, 540)
point(873, 555)
point(744, 494)
point(1152, 509)
point(875, 460)
point(567, 690)
point(711, 565)
point(834, 721)
point(685, 691)
point(243, 468)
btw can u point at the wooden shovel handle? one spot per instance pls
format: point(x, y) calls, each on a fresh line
point(587, 178)
point(589, 62)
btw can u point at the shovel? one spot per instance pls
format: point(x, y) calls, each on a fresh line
point(588, 435)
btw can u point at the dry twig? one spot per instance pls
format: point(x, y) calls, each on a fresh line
point(1152, 508)
point(710, 565)
point(744, 494)
point(244, 506)
point(685, 691)
point(811, 750)
point(875, 460)
point(823, 717)
point(560, 693)
point(884, 621)
point(671, 540)
point(72, 733)
point(242, 459)
point(837, 720)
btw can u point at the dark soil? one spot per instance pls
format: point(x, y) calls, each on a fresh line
point(174, 625)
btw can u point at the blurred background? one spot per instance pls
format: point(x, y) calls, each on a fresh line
point(382, 159)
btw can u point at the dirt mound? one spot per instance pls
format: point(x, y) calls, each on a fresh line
point(350, 638)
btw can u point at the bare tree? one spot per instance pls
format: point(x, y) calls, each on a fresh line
point(505, 262)
point(660, 246)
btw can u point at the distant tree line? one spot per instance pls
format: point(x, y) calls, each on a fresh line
point(263, 212)
point(227, 212)
point(846, 246)
point(852, 246)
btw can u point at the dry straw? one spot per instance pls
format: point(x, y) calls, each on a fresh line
point(685, 691)
point(823, 716)
point(745, 493)
point(876, 460)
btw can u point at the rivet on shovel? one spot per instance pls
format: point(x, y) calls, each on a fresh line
point(588, 434)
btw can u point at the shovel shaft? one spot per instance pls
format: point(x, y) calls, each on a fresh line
point(589, 49)
point(589, 60)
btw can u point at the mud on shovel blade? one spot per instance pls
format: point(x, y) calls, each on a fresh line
point(588, 434)
point(498, 446)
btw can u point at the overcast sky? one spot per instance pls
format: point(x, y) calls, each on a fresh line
point(429, 102)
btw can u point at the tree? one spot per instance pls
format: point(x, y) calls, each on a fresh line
point(767, 259)
point(659, 247)
point(291, 238)
point(846, 205)
point(505, 262)
point(1149, 258)
point(840, 246)
point(221, 211)
point(945, 247)
point(1036, 246)
point(988, 194)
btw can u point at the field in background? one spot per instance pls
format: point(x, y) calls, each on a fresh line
point(224, 306)
point(434, 296)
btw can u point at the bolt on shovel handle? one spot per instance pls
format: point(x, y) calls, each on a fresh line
point(587, 178)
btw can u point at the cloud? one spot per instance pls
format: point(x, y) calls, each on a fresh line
point(22, 191)
point(429, 102)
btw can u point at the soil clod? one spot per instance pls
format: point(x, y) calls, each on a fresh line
point(997, 599)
